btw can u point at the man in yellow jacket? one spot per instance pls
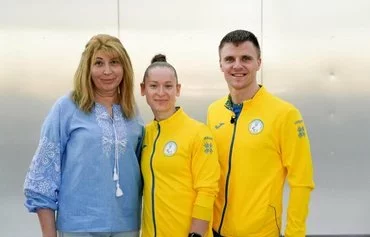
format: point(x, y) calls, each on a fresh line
point(262, 141)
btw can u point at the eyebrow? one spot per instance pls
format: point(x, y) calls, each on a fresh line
point(248, 56)
point(156, 82)
point(115, 58)
point(242, 56)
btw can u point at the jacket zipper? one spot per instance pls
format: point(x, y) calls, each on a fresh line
point(228, 177)
point(153, 181)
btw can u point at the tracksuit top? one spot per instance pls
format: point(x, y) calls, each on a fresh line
point(258, 150)
point(181, 171)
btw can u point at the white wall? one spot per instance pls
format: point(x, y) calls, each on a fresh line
point(315, 54)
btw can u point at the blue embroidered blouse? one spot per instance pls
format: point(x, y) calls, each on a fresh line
point(82, 163)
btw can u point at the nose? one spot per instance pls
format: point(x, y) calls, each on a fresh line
point(160, 90)
point(237, 64)
point(107, 70)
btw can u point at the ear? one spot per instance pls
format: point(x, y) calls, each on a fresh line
point(259, 61)
point(220, 64)
point(178, 89)
point(142, 88)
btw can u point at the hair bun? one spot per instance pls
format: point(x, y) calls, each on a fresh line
point(159, 58)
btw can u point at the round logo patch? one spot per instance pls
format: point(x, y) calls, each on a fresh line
point(256, 126)
point(170, 148)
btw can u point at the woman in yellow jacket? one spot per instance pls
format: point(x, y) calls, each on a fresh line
point(179, 162)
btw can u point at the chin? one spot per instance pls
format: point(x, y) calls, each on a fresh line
point(238, 87)
point(160, 109)
point(110, 88)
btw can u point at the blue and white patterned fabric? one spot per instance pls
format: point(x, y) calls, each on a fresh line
point(73, 169)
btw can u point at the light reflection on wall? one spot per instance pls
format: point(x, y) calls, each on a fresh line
point(315, 54)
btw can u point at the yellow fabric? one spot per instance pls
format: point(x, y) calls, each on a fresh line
point(297, 212)
point(269, 144)
point(185, 175)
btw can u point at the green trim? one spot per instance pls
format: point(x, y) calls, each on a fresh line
point(228, 178)
point(229, 103)
point(153, 180)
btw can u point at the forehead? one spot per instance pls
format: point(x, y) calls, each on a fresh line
point(232, 50)
point(161, 74)
point(105, 54)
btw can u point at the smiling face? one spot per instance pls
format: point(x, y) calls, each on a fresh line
point(161, 89)
point(240, 65)
point(106, 73)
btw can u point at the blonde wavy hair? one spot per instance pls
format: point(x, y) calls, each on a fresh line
point(83, 91)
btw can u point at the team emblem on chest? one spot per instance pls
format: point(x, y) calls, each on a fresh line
point(256, 126)
point(170, 148)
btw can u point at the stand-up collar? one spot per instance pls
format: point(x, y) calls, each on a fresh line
point(229, 103)
point(173, 119)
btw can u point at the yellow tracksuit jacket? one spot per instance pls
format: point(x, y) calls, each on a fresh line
point(266, 144)
point(180, 169)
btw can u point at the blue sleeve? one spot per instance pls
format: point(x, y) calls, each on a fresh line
point(44, 175)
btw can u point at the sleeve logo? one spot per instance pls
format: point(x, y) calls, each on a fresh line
point(208, 145)
point(300, 128)
point(301, 132)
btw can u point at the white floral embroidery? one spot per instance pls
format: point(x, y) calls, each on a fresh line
point(44, 174)
point(109, 135)
point(121, 129)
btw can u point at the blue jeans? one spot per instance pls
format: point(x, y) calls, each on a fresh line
point(100, 234)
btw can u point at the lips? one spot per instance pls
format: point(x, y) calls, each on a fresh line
point(238, 74)
point(107, 80)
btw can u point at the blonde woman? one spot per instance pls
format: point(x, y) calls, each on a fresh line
point(86, 166)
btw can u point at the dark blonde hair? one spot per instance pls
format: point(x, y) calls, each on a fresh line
point(159, 60)
point(83, 91)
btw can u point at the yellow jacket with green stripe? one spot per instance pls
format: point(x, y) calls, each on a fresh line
point(180, 169)
point(265, 145)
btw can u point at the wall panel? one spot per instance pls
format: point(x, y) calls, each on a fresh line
point(316, 55)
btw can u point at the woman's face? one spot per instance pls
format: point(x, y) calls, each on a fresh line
point(161, 90)
point(106, 73)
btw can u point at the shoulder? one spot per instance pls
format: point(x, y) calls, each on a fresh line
point(218, 103)
point(63, 109)
point(65, 102)
point(284, 110)
point(201, 136)
point(282, 106)
point(136, 121)
point(216, 108)
point(198, 128)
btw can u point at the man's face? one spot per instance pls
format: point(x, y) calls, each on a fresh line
point(239, 64)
